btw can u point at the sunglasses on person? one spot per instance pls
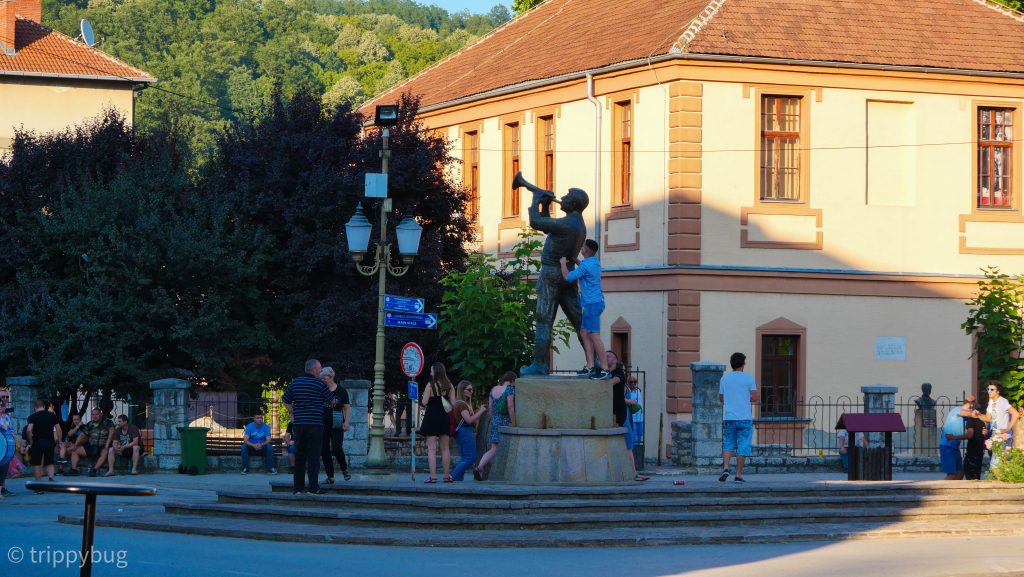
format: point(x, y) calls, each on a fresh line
point(990, 389)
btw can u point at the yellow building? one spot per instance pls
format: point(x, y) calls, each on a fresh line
point(815, 183)
point(49, 81)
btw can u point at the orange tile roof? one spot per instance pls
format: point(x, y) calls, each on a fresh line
point(563, 37)
point(42, 51)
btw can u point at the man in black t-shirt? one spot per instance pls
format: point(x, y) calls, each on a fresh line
point(43, 436)
point(975, 453)
point(619, 409)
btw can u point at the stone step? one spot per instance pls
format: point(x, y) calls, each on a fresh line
point(510, 521)
point(679, 502)
point(272, 529)
point(704, 489)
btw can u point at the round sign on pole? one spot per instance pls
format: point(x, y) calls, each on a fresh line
point(412, 360)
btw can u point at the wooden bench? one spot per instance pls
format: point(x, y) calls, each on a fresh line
point(233, 445)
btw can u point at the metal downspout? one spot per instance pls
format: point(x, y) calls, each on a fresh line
point(597, 157)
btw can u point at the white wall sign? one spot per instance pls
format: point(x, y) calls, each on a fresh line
point(890, 348)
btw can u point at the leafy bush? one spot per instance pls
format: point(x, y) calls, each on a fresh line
point(1011, 465)
point(996, 319)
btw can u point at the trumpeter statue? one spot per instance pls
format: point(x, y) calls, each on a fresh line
point(565, 236)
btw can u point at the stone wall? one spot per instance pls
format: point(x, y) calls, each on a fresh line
point(706, 429)
point(357, 437)
point(682, 444)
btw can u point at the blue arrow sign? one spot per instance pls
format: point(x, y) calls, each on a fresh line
point(403, 304)
point(411, 320)
point(414, 391)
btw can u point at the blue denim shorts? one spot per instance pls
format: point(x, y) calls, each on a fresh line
point(951, 460)
point(592, 317)
point(629, 434)
point(737, 437)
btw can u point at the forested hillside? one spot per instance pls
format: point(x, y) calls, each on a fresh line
point(223, 58)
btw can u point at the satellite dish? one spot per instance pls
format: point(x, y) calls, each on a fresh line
point(87, 34)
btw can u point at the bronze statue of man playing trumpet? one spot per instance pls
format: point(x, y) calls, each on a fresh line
point(565, 236)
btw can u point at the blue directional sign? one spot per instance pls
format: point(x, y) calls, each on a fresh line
point(403, 304)
point(414, 391)
point(411, 320)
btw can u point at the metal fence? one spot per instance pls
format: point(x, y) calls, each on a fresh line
point(227, 413)
point(807, 428)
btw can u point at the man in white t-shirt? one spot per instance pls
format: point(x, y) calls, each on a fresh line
point(737, 390)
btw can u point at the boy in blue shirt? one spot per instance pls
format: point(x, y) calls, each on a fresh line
point(588, 273)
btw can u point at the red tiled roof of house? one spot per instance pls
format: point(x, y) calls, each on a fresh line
point(562, 37)
point(42, 51)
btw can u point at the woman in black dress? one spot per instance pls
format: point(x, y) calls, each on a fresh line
point(436, 424)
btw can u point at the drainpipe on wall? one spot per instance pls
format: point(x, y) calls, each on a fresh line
point(597, 157)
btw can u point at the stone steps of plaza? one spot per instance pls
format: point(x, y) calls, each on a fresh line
point(655, 513)
point(571, 503)
point(511, 521)
point(616, 535)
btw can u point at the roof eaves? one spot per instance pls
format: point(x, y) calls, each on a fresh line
point(107, 78)
point(542, 82)
point(699, 22)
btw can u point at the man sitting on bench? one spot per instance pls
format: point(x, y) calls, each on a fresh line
point(256, 439)
point(93, 442)
point(127, 443)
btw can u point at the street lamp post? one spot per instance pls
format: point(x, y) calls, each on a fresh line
point(358, 231)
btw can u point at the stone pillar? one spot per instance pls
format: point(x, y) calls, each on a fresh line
point(357, 437)
point(707, 416)
point(878, 399)
point(170, 411)
point(24, 393)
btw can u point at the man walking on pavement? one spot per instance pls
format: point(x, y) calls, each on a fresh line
point(305, 399)
point(737, 390)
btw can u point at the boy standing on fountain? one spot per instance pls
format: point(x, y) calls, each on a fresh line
point(588, 273)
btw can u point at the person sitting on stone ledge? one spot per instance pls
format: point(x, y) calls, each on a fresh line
point(256, 440)
point(127, 442)
point(96, 436)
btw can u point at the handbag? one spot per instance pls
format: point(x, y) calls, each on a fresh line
point(337, 419)
point(634, 408)
point(446, 404)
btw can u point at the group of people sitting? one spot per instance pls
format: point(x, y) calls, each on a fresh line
point(44, 444)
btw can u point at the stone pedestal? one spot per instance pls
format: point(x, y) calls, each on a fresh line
point(707, 416)
point(357, 438)
point(170, 411)
point(926, 433)
point(24, 393)
point(564, 433)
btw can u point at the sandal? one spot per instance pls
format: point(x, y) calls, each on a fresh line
point(448, 479)
point(329, 481)
point(431, 480)
point(346, 475)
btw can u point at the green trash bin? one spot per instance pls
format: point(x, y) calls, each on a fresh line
point(193, 448)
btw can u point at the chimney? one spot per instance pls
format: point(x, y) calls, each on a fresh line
point(31, 9)
point(7, 23)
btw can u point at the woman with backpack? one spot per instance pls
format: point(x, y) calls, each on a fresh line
point(502, 405)
point(439, 398)
point(464, 422)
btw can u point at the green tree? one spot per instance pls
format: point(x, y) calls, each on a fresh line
point(117, 270)
point(521, 7)
point(487, 313)
point(996, 319)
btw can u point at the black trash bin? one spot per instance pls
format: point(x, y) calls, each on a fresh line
point(870, 463)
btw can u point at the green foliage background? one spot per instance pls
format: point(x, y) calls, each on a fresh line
point(996, 319)
point(227, 56)
point(487, 313)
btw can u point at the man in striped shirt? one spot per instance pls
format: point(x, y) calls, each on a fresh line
point(306, 397)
